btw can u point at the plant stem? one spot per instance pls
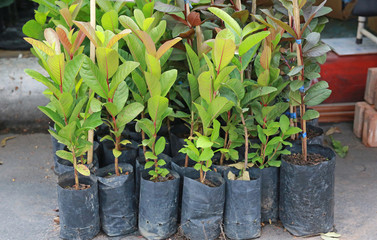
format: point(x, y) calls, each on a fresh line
point(191, 133)
point(117, 147)
point(201, 173)
point(143, 136)
point(246, 142)
point(74, 167)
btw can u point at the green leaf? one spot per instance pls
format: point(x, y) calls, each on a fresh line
point(167, 80)
point(71, 71)
point(108, 61)
point(313, 98)
point(95, 105)
point(285, 26)
point(93, 121)
point(284, 123)
point(215, 131)
point(94, 78)
point(251, 41)
point(82, 169)
point(205, 86)
point(223, 50)
point(65, 155)
point(236, 86)
point(157, 106)
point(116, 153)
point(317, 51)
point(150, 155)
point(292, 130)
point(262, 137)
point(109, 20)
point(154, 84)
point(310, 114)
point(231, 23)
point(52, 115)
point(107, 137)
point(206, 155)
point(203, 142)
point(32, 29)
point(122, 72)
point(204, 116)
point(129, 113)
point(68, 132)
point(260, 91)
point(56, 65)
point(146, 125)
point(218, 106)
point(192, 59)
point(160, 145)
point(121, 96)
point(296, 84)
point(148, 164)
point(296, 70)
point(111, 108)
point(77, 110)
point(166, 8)
point(161, 162)
point(223, 76)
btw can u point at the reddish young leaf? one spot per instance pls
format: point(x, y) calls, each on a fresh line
point(64, 39)
point(194, 19)
point(179, 19)
point(187, 34)
point(79, 39)
point(166, 46)
point(88, 30)
point(148, 42)
point(67, 16)
point(117, 37)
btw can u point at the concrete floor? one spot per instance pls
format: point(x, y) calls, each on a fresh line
point(28, 191)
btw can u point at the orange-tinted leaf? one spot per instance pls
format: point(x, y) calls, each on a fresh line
point(88, 30)
point(148, 42)
point(84, 170)
point(166, 46)
point(79, 39)
point(117, 37)
point(194, 19)
point(38, 44)
point(64, 39)
point(67, 16)
point(265, 57)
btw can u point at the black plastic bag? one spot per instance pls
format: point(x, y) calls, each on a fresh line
point(140, 163)
point(307, 194)
point(242, 215)
point(117, 203)
point(202, 206)
point(78, 209)
point(158, 207)
point(177, 135)
point(129, 153)
point(270, 178)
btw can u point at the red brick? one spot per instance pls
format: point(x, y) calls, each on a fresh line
point(371, 86)
point(370, 128)
point(360, 108)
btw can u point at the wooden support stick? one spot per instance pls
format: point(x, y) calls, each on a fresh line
point(92, 57)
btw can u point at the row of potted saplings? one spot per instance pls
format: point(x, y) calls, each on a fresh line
point(200, 203)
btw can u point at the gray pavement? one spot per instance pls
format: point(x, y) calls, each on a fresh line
point(28, 191)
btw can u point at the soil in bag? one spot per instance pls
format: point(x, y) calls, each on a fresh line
point(242, 216)
point(158, 206)
point(202, 206)
point(307, 191)
point(118, 210)
point(78, 209)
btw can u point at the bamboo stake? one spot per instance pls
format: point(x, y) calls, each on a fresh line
point(92, 57)
point(296, 13)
